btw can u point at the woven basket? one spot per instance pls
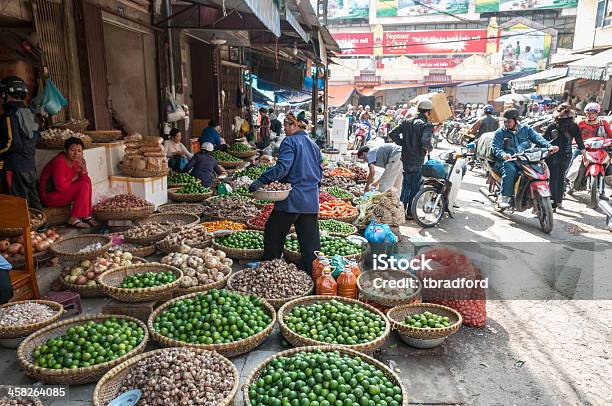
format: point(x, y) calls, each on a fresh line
point(5, 394)
point(272, 196)
point(296, 257)
point(110, 280)
point(108, 387)
point(254, 375)
point(57, 144)
point(103, 136)
point(78, 126)
point(182, 208)
point(144, 173)
point(26, 329)
point(18, 261)
point(188, 198)
point(57, 215)
point(300, 341)
point(238, 253)
point(354, 231)
point(34, 224)
point(227, 349)
point(371, 295)
point(69, 248)
point(350, 219)
point(168, 248)
point(189, 219)
point(242, 154)
point(123, 214)
point(276, 303)
point(141, 252)
point(398, 314)
point(75, 376)
point(252, 226)
point(230, 165)
point(202, 288)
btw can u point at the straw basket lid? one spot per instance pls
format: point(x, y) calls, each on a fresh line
point(70, 248)
point(110, 280)
point(69, 376)
point(300, 341)
point(392, 376)
point(397, 315)
point(227, 349)
point(23, 330)
point(365, 283)
point(108, 387)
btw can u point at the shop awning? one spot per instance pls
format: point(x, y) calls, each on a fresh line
point(593, 67)
point(555, 87)
point(338, 95)
point(530, 82)
point(561, 59)
point(498, 81)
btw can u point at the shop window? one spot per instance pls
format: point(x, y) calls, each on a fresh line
point(604, 14)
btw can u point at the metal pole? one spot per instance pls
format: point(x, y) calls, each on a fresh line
point(326, 103)
point(170, 51)
point(315, 98)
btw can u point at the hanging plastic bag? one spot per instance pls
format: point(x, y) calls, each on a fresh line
point(54, 102)
point(574, 169)
point(379, 233)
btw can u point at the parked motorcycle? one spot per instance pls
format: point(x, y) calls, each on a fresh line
point(531, 189)
point(361, 135)
point(439, 190)
point(594, 171)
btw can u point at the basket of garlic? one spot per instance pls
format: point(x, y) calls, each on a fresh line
point(203, 269)
point(81, 276)
point(54, 138)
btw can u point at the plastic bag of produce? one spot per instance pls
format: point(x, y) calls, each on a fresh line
point(451, 265)
point(338, 264)
point(224, 189)
point(379, 233)
point(54, 102)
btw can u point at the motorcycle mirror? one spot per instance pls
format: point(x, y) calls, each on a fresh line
point(554, 134)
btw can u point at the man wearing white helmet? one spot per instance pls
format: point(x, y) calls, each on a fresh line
point(414, 136)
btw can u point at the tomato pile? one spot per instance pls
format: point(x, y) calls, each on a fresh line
point(251, 240)
point(323, 378)
point(147, 280)
point(335, 322)
point(214, 317)
point(89, 344)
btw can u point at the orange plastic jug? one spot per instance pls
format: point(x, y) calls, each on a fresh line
point(326, 284)
point(319, 263)
point(347, 284)
point(355, 268)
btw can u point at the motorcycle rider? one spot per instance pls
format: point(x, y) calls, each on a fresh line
point(414, 136)
point(513, 137)
point(485, 124)
point(593, 125)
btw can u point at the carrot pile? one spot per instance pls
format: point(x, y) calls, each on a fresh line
point(212, 226)
point(337, 208)
point(340, 172)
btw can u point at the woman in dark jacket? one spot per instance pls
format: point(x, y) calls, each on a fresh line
point(558, 163)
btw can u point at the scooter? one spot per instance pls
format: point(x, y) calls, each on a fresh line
point(361, 135)
point(438, 194)
point(597, 162)
point(531, 189)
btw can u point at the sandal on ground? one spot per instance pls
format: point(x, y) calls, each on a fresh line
point(91, 221)
point(79, 224)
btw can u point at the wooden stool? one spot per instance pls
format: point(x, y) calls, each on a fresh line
point(66, 298)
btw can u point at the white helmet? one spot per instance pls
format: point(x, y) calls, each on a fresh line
point(425, 104)
point(367, 108)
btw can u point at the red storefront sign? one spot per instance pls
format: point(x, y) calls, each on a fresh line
point(355, 43)
point(435, 42)
point(437, 63)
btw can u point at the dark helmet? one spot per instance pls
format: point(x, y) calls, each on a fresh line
point(14, 86)
point(488, 109)
point(511, 114)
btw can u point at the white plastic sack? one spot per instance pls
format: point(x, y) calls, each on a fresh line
point(572, 172)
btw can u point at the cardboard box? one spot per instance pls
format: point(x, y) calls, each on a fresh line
point(95, 158)
point(114, 154)
point(153, 190)
point(339, 132)
point(441, 109)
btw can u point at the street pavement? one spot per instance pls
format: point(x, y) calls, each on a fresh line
point(540, 346)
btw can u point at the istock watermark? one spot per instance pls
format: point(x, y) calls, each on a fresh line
point(382, 262)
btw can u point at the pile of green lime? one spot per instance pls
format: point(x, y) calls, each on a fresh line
point(338, 227)
point(339, 192)
point(147, 280)
point(330, 246)
point(253, 172)
point(240, 147)
point(427, 320)
point(336, 322)
point(224, 157)
point(89, 344)
point(251, 240)
point(214, 317)
point(180, 178)
point(323, 378)
point(194, 189)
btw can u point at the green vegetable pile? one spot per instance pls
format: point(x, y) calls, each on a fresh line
point(89, 344)
point(240, 147)
point(335, 226)
point(224, 156)
point(214, 317)
point(323, 378)
point(335, 322)
point(147, 280)
point(339, 192)
point(330, 246)
point(253, 172)
point(175, 178)
point(194, 189)
point(241, 191)
point(252, 240)
point(427, 320)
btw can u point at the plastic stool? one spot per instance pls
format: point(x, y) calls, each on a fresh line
point(66, 298)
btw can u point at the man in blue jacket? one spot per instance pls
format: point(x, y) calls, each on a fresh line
point(299, 163)
point(508, 140)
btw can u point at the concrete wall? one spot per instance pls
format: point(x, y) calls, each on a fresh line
point(16, 9)
point(586, 36)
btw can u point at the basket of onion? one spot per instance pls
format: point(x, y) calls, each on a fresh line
point(13, 250)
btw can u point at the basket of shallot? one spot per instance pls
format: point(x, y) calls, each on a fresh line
point(273, 192)
point(12, 249)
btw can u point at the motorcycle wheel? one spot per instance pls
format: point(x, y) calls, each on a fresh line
point(545, 213)
point(424, 209)
point(594, 203)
